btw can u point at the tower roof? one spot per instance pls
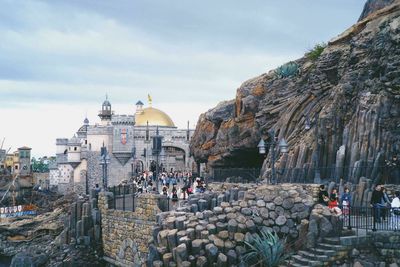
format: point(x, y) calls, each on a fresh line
point(139, 103)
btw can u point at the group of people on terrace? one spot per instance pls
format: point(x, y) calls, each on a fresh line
point(382, 204)
point(175, 185)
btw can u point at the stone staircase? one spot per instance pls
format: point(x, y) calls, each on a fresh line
point(325, 253)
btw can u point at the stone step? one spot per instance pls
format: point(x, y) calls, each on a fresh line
point(295, 264)
point(327, 252)
point(307, 262)
point(331, 247)
point(313, 256)
point(332, 240)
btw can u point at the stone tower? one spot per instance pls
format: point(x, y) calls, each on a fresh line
point(24, 160)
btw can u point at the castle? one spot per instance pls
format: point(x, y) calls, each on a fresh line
point(118, 147)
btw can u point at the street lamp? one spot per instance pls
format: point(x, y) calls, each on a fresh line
point(104, 162)
point(317, 172)
point(133, 163)
point(157, 147)
point(262, 147)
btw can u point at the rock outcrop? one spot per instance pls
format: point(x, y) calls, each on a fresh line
point(351, 91)
point(372, 6)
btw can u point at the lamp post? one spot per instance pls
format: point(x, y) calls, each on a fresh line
point(282, 145)
point(157, 147)
point(317, 172)
point(133, 174)
point(104, 161)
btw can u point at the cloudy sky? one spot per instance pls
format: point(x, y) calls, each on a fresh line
point(58, 59)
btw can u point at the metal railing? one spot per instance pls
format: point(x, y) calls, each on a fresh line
point(124, 197)
point(379, 218)
point(243, 174)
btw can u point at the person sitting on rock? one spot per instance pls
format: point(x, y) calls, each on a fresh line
point(323, 196)
point(333, 199)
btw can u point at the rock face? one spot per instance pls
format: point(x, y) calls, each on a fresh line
point(374, 5)
point(353, 87)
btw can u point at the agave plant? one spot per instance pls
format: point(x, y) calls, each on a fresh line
point(265, 249)
point(287, 70)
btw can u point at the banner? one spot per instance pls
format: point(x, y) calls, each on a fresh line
point(16, 211)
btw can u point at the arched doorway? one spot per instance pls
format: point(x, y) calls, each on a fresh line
point(174, 158)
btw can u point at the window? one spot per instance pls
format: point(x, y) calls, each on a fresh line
point(75, 148)
point(85, 142)
point(16, 167)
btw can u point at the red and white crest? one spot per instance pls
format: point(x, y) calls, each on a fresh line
point(123, 136)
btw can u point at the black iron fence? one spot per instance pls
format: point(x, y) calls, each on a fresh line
point(377, 218)
point(235, 174)
point(125, 198)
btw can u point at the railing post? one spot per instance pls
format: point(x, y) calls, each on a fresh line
point(133, 200)
point(115, 198)
point(123, 198)
point(375, 213)
point(349, 216)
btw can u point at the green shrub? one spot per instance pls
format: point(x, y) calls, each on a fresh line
point(314, 53)
point(287, 70)
point(266, 249)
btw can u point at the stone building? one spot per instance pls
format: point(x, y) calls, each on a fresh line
point(128, 142)
point(18, 162)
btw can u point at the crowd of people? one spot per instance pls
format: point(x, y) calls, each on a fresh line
point(381, 203)
point(176, 185)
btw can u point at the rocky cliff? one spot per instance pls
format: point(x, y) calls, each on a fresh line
point(349, 95)
point(372, 6)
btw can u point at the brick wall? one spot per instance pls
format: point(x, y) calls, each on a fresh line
point(126, 234)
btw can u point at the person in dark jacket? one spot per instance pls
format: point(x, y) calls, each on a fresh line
point(376, 202)
point(323, 196)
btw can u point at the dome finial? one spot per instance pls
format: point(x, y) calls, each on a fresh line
point(150, 99)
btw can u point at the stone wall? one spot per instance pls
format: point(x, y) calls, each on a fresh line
point(387, 244)
point(126, 234)
point(212, 227)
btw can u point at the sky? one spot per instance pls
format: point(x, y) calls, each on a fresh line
point(58, 59)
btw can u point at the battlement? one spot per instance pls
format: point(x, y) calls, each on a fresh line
point(123, 120)
point(62, 141)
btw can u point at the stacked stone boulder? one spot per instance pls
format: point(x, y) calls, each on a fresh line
point(82, 225)
point(323, 223)
point(211, 229)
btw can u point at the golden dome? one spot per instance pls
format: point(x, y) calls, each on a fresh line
point(154, 117)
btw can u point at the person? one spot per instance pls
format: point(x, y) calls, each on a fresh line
point(395, 205)
point(333, 199)
point(165, 190)
point(174, 194)
point(376, 202)
point(345, 201)
point(385, 204)
point(323, 196)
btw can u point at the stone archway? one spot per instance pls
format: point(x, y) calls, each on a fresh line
point(129, 254)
